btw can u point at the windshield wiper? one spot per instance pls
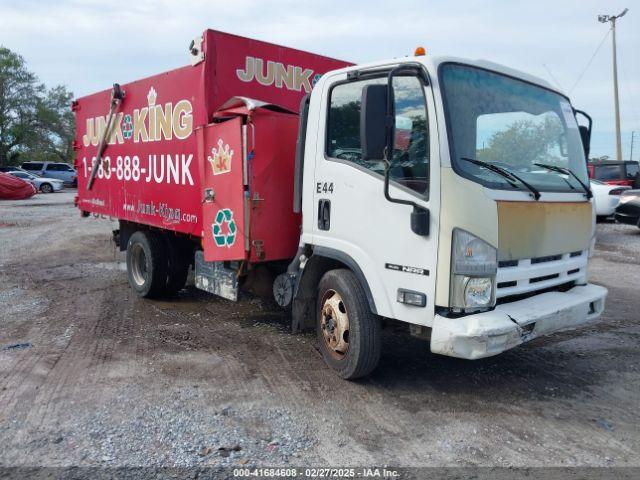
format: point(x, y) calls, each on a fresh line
point(509, 175)
point(566, 171)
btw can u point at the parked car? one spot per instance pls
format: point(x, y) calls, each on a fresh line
point(59, 170)
point(11, 168)
point(628, 210)
point(44, 184)
point(606, 197)
point(614, 172)
point(13, 188)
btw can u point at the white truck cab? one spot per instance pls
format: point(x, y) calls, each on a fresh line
point(446, 193)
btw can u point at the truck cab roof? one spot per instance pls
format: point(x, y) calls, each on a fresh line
point(432, 64)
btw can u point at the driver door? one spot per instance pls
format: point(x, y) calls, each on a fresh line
point(356, 219)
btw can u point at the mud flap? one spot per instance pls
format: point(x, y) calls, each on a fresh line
point(214, 277)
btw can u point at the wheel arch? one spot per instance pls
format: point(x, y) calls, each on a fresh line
point(321, 261)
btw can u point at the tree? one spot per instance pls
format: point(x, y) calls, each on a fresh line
point(19, 91)
point(524, 142)
point(55, 127)
point(34, 122)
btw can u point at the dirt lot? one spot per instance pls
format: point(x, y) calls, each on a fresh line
point(90, 375)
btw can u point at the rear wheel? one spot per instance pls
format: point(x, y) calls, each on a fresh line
point(348, 333)
point(178, 265)
point(46, 188)
point(147, 264)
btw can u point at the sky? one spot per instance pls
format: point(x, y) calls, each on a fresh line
point(89, 44)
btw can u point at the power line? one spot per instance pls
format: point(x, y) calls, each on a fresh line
point(552, 77)
point(590, 60)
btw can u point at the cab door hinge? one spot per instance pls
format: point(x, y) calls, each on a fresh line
point(256, 199)
point(258, 245)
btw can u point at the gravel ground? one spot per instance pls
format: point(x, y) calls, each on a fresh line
point(91, 375)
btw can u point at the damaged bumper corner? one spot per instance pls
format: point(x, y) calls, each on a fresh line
point(508, 325)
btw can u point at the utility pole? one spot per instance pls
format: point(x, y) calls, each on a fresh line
point(612, 19)
point(631, 155)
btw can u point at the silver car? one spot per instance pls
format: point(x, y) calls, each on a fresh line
point(59, 170)
point(43, 184)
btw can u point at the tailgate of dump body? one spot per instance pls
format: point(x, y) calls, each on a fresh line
point(151, 172)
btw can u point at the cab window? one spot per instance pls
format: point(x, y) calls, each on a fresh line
point(410, 164)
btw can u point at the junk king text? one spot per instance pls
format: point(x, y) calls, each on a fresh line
point(152, 123)
point(163, 168)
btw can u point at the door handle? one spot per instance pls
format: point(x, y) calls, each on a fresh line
point(324, 214)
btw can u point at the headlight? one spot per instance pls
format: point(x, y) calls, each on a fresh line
point(478, 292)
point(474, 266)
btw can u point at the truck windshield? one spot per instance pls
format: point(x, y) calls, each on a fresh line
point(511, 124)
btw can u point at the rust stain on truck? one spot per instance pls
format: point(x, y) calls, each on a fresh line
point(527, 229)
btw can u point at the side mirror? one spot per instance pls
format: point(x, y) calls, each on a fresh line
point(585, 135)
point(585, 132)
point(377, 138)
point(373, 128)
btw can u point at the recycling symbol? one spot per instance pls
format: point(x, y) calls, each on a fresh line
point(224, 228)
point(127, 127)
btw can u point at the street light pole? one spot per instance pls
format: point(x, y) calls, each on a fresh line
point(616, 101)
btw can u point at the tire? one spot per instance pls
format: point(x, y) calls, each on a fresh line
point(46, 188)
point(355, 351)
point(178, 266)
point(147, 264)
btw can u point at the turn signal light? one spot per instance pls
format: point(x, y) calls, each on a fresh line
point(410, 297)
point(420, 51)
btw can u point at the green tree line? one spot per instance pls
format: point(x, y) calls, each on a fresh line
point(524, 142)
point(36, 122)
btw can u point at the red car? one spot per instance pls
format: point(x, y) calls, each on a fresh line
point(614, 172)
point(13, 188)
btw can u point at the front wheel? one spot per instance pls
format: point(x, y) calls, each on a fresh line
point(46, 188)
point(348, 332)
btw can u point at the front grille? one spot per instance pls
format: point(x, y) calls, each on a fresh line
point(548, 258)
point(523, 276)
point(542, 279)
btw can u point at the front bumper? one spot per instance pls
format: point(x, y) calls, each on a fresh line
point(510, 324)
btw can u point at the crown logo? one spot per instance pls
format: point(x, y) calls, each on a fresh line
point(220, 158)
point(151, 96)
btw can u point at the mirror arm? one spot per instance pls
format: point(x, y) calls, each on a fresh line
point(419, 216)
point(390, 123)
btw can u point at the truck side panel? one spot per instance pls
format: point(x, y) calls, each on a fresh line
point(151, 170)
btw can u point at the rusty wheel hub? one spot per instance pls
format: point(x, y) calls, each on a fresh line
point(334, 323)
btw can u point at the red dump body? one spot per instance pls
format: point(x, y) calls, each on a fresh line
point(166, 151)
